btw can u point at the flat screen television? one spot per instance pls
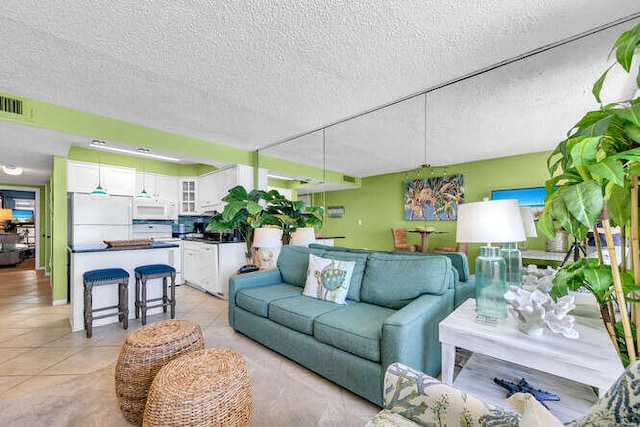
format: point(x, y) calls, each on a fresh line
point(533, 197)
point(22, 216)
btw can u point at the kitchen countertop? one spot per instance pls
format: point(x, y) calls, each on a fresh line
point(101, 247)
point(209, 241)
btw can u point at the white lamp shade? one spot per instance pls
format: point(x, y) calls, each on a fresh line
point(303, 236)
point(527, 222)
point(267, 237)
point(490, 221)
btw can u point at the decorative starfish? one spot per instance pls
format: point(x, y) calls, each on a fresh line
point(523, 387)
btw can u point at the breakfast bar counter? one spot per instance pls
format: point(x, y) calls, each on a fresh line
point(86, 257)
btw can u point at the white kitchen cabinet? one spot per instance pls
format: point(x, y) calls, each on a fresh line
point(147, 182)
point(231, 256)
point(187, 195)
point(83, 178)
point(214, 186)
point(200, 265)
point(209, 265)
point(208, 192)
point(167, 187)
point(163, 187)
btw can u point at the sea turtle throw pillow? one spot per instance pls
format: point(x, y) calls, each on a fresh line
point(328, 279)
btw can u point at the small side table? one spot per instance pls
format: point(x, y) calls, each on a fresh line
point(590, 359)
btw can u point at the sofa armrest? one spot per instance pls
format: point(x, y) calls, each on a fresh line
point(410, 335)
point(465, 290)
point(426, 401)
point(250, 280)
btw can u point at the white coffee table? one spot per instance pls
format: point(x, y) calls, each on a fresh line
point(590, 360)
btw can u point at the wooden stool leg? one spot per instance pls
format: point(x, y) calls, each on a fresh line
point(125, 304)
point(143, 300)
point(173, 296)
point(165, 302)
point(137, 297)
point(88, 306)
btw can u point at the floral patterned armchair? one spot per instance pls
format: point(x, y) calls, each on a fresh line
point(412, 398)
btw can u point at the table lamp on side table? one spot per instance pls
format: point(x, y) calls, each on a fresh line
point(511, 253)
point(267, 243)
point(486, 222)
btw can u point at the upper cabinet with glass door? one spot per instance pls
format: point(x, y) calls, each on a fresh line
point(188, 192)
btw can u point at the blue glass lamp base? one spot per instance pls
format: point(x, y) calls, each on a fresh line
point(490, 285)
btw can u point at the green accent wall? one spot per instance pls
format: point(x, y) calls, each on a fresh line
point(50, 116)
point(44, 242)
point(379, 202)
point(59, 231)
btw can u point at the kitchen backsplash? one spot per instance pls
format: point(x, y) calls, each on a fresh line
point(188, 222)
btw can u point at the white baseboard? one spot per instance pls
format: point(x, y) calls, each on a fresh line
point(60, 302)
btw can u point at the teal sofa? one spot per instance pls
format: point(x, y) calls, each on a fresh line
point(394, 305)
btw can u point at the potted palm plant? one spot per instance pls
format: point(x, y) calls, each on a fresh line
point(594, 177)
point(245, 211)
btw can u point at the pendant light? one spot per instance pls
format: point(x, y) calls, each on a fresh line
point(99, 190)
point(143, 194)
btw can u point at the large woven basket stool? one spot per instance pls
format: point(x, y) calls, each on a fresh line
point(207, 387)
point(142, 355)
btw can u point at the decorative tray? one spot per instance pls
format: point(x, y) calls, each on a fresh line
point(124, 243)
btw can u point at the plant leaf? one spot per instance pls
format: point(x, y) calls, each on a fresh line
point(632, 131)
point(584, 201)
point(610, 169)
point(236, 193)
point(631, 113)
point(597, 87)
point(588, 127)
point(633, 154)
point(626, 49)
point(545, 223)
point(618, 205)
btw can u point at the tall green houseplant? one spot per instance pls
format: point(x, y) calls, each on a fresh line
point(594, 177)
point(245, 211)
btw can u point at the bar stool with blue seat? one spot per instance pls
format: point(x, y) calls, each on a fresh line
point(154, 271)
point(106, 276)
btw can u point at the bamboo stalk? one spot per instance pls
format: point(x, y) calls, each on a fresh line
point(596, 238)
point(612, 312)
point(604, 312)
point(623, 249)
point(635, 249)
point(617, 284)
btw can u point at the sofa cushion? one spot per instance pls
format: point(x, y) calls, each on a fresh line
point(299, 312)
point(394, 280)
point(293, 262)
point(328, 279)
point(356, 329)
point(257, 300)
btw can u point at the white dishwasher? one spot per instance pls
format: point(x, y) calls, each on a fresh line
point(200, 265)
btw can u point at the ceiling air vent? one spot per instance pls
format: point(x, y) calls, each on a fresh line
point(347, 178)
point(11, 105)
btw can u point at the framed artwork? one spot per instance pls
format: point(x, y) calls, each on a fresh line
point(433, 198)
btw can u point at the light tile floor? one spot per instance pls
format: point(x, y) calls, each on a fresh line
point(38, 352)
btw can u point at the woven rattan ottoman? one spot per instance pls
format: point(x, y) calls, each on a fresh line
point(207, 387)
point(142, 355)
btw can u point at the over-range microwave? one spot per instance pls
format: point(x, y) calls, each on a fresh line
point(154, 209)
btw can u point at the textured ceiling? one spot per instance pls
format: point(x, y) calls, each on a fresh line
point(249, 73)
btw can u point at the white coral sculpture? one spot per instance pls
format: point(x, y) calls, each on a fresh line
point(535, 310)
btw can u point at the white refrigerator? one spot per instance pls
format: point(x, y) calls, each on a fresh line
point(93, 219)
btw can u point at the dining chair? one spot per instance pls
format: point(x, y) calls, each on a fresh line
point(400, 241)
point(460, 247)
